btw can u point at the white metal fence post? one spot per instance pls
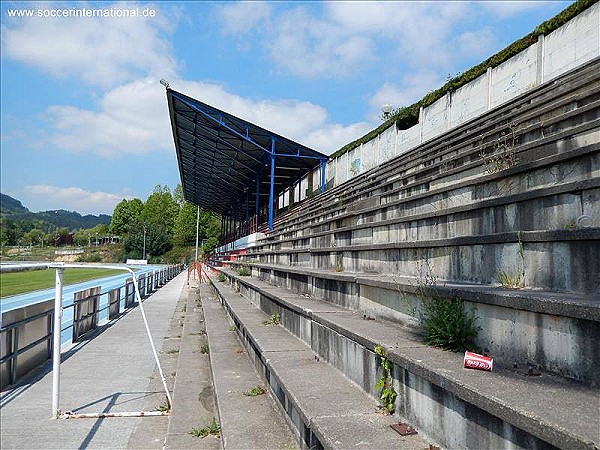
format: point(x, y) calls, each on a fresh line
point(56, 342)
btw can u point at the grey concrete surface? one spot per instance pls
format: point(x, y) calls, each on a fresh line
point(319, 399)
point(193, 394)
point(113, 371)
point(247, 422)
point(530, 410)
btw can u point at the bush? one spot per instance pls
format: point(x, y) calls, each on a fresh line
point(244, 271)
point(447, 325)
point(90, 257)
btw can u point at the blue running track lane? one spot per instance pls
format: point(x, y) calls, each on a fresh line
point(107, 284)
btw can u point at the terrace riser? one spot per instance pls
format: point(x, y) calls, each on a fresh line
point(554, 187)
point(564, 345)
point(532, 129)
point(449, 420)
point(562, 266)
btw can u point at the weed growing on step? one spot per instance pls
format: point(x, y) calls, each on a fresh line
point(204, 349)
point(244, 271)
point(445, 322)
point(516, 279)
point(232, 328)
point(571, 225)
point(288, 446)
point(387, 393)
point(256, 390)
point(164, 407)
point(447, 325)
point(213, 429)
point(503, 154)
point(275, 319)
point(221, 278)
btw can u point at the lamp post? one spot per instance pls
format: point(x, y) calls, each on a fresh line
point(144, 250)
point(197, 228)
point(386, 110)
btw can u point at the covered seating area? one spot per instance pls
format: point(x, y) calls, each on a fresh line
point(236, 168)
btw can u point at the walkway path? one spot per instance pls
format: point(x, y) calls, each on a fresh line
point(113, 372)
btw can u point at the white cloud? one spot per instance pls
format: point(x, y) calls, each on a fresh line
point(102, 51)
point(330, 138)
point(307, 46)
point(348, 37)
point(241, 17)
point(134, 119)
point(504, 9)
point(411, 88)
point(44, 197)
point(475, 43)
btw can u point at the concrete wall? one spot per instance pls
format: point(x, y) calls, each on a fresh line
point(570, 46)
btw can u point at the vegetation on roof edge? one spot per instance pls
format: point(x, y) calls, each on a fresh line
point(408, 116)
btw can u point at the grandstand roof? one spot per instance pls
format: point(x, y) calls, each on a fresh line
point(223, 159)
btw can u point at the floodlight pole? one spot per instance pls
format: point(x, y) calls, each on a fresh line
point(56, 331)
point(144, 250)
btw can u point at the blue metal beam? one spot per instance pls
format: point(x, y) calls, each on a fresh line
point(323, 164)
point(218, 121)
point(272, 185)
point(247, 138)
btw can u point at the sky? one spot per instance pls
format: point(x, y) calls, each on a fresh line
point(84, 119)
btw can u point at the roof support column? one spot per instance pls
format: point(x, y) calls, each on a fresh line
point(323, 163)
point(257, 199)
point(247, 223)
point(222, 227)
point(272, 184)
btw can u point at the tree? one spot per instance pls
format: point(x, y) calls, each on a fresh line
point(178, 195)
point(126, 212)
point(157, 240)
point(81, 237)
point(161, 208)
point(34, 237)
point(184, 232)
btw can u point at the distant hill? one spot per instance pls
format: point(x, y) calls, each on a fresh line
point(13, 209)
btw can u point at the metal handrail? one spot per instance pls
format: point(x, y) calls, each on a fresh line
point(157, 279)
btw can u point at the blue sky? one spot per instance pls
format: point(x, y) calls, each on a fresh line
point(85, 122)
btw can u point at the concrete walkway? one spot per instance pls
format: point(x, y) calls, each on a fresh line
point(112, 372)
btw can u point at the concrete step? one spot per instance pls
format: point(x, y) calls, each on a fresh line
point(506, 317)
point(324, 408)
point(247, 421)
point(457, 407)
point(534, 108)
point(193, 393)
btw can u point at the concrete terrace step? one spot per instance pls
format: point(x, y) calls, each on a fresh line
point(560, 316)
point(577, 306)
point(193, 393)
point(553, 95)
point(247, 422)
point(477, 409)
point(325, 409)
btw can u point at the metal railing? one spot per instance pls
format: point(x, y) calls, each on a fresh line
point(10, 333)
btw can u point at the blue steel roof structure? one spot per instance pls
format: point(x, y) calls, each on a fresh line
point(225, 161)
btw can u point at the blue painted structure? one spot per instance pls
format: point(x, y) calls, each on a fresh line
point(223, 159)
point(107, 284)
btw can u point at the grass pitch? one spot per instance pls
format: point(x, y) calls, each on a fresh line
point(34, 280)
